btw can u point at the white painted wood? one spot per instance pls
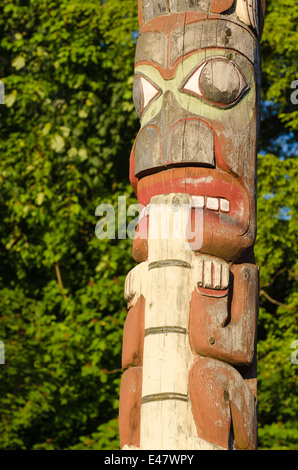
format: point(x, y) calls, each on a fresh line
point(169, 416)
point(242, 11)
point(198, 272)
point(168, 291)
point(212, 203)
point(177, 419)
point(149, 91)
point(225, 275)
point(192, 83)
point(217, 276)
point(136, 283)
point(207, 273)
point(167, 357)
point(167, 281)
point(197, 201)
point(246, 11)
point(224, 205)
point(169, 215)
point(166, 416)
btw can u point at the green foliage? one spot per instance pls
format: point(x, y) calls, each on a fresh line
point(67, 129)
point(276, 247)
point(280, 69)
point(276, 254)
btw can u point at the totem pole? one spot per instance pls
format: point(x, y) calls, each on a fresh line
point(189, 345)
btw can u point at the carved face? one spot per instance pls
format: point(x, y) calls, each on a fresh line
point(196, 94)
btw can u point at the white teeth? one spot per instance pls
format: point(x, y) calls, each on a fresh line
point(224, 205)
point(212, 203)
point(197, 201)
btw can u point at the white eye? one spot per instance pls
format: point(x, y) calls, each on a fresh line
point(217, 81)
point(193, 83)
point(149, 91)
point(144, 92)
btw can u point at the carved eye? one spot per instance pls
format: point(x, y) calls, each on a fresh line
point(218, 81)
point(144, 92)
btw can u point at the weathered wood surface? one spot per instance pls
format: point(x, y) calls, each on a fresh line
point(189, 345)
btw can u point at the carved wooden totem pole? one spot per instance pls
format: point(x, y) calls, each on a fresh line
point(189, 347)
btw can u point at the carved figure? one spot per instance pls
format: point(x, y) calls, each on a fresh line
point(189, 346)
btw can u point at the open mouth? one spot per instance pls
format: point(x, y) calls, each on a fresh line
point(209, 188)
point(222, 197)
point(220, 209)
point(200, 202)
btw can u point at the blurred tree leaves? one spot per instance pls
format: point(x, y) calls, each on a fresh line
point(66, 134)
point(276, 247)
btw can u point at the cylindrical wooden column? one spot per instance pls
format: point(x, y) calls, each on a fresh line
point(189, 345)
point(167, 355)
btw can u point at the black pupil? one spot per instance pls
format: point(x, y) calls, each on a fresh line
point(220, 82)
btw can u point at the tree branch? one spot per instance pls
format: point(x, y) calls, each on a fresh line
point(275, 276)
point(59, 279)
point(275, 302)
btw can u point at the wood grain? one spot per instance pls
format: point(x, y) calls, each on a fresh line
point(190, 336)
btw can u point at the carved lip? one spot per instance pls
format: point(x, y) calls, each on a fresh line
point(213, 190)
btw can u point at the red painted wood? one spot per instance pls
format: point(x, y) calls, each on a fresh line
point(133, 335)
point(218, 6)
point(130, 407)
